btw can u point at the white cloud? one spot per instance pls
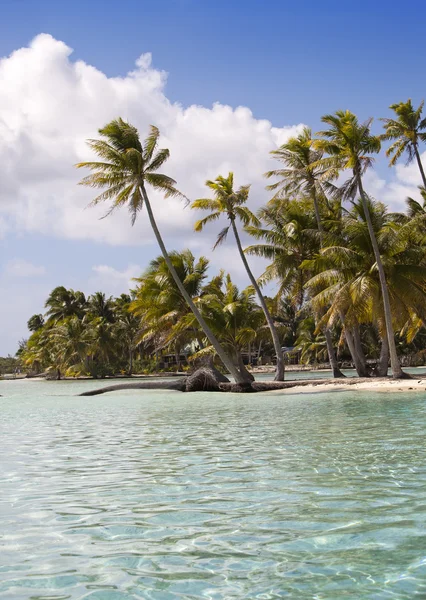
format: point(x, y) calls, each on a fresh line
point(394, 192)
point(50, 105)
point(113, 281)
point(19, 267)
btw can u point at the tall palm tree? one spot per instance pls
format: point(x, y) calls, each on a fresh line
point(349, 145)
point(127, 166)
point(231, 203)
point(302, 175)
point(348, 279)
point(407, 130)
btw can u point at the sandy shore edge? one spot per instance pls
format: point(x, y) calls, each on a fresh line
point(418, 384)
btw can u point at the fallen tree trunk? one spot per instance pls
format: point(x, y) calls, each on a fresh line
point(179, 386)
point(203, 380)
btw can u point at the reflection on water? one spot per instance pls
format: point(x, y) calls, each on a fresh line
point(162, 496)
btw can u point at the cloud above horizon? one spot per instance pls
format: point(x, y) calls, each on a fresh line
point(19, 267)
point(50, 105)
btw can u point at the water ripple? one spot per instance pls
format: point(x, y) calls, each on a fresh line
point(164, 496)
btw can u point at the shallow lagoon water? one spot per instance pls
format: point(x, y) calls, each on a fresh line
point(167, 495)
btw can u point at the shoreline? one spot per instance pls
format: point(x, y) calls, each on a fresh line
point(292, 386)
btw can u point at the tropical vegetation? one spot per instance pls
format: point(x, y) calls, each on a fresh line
point(344, 277)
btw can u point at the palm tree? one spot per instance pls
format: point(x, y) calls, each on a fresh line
point(70, 343)
point(98, 305)
point(231, 203)
point(285, 235)
point(349, 145)
point(415, 209)
point(303, 175)
point(63, 303)
point(159, 304)
point(408, 129)
point(233, 314)
point(127, 327)
point(127, 167)
point(348, 280)
point(35, 322)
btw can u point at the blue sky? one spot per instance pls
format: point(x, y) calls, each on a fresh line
point(287, 63)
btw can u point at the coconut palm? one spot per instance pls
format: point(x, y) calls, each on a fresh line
point(70, 341)
point(302, 175)
point(35, 322)
point(126, 169)
point(415, 208)
point(98, 305)
point(348, 281)
point(233, 314)
point(349, 145)
point(232, 204)
point(285, 234)
point(159, 304)
point(62, 303)
point(406, 131)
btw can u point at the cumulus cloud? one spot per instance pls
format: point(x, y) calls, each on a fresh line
point(113, 281)
point(19, 267)
point(49, 106)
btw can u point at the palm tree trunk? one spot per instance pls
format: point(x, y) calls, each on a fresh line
point(359, 360)
point(279, 375)
point(397, 372)
point(330, 349)
point(130, 361)
point(358, 343)
point(239, 377)
point(419, 162)
point(332, 355)
point(383, 364)
point(243, 368)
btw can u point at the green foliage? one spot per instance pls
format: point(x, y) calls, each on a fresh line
point(324, 246)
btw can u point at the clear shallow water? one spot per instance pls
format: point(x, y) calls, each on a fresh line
point(165, 495)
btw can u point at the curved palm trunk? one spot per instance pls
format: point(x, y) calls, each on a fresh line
point(239, 377)
point(419, 162)
point(279, 375)
point(397, 372)
point(330, 349)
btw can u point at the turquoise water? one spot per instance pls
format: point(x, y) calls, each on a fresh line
point(210, 496)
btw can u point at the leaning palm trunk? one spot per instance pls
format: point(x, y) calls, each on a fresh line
point(397, 372)
point(279, 376)
point(419, 162)
point(239, 377)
